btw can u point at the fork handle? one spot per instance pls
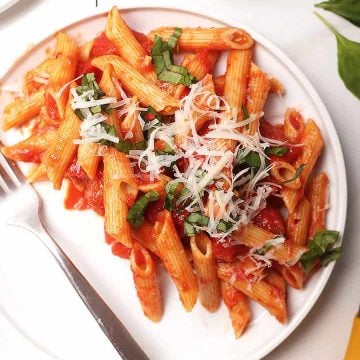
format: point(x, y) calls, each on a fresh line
point(116, 332)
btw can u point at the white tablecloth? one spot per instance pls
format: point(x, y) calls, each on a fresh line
point(293, 27)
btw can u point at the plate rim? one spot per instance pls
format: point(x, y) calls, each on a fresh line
point(339, 161)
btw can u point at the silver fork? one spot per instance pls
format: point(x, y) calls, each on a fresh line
point(21, 207)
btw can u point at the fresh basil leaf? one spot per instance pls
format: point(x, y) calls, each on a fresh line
point(170, 189)
point(348, 9)
point(321, 247)
point(172, 41)
point(190, 229)
point(348, 53)
point(298, 172)
point(277, 150)
point(162, 58)
point(331, 255)
point(136, 212)
point(224, 226)
point(168, 150)
point(79, 114)
point(253, 159)
point(245, 115)
point(198, 219)
point(263, 250)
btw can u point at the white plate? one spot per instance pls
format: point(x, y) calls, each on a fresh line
point(199, 334)
point(6, 4)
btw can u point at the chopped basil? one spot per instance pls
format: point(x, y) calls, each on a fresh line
point(224, 226)
point(298, 172)
point(172, 41)
point(245, 114)
point(198, 219)
point(168, 150)
point(122, 145)
point(136, 212)
point(190, 229)
point(162, 58)
point(348, 9)
point(251, 159)
point(263, 250)
point(277, 150)
point(321, 248)
point(170, 189)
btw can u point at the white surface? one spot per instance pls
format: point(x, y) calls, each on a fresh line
point(6, 4)
point(296, 30)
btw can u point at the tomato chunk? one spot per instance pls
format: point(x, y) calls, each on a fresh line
point(228, 253)
point(271, 219)
point(103, 46)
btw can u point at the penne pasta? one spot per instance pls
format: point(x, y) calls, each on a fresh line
point(119, 186)
point(238, 307)
point(318, 197)
point(130, 126)
point(63, 150)
point(39, 76)
point(313, 143)
point(283, 173)
point(293, 125)
point(31, 149)
point(147, 93)
point(146, 284)
point(267, 295)
point(172, 253)
point(257, 92)
point(22, 110)
point(206, 274)
point(204, 38)
point(298, 223)
point(88, 158)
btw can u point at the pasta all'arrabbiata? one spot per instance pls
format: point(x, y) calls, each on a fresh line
point(181, 163)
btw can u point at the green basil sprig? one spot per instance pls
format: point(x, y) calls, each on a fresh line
point(348, 60)
point(348, 9)
point(298, 172)
point(321, 248)
point(162, 58)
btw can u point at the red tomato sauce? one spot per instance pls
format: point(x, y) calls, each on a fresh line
point(51, 107)
point(103, 46)
point(85, 67)
point(144, 41)
point(271, 219)
point(117, 248)
point(74, 198)
point(227, 254)
point(179, 219)
point(153, 209)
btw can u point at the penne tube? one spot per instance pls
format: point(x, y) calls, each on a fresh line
point(146, 235)
point(146, 283)
point(119, 186)
point(172, 253)
point(283, 173)
point(147, 93)
point(274, 278)
point(85, 50)
point(264, 293)
point(293, 125)
point(22, 110)
point(31, 149)
point(126, 44)
point(298, 223)
point(199, 65)
point(219, 84)
point(37, 173)
point(88, 158)
point(318, 196)
point(207, 38)
point(130, 126)
point(205, 267)
point(63, 150)
point(256, 237)
point(293, 275)
point(236, 79)
point(257, 92)
point(238, 307)
point(39, 76)
point(312, 146)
